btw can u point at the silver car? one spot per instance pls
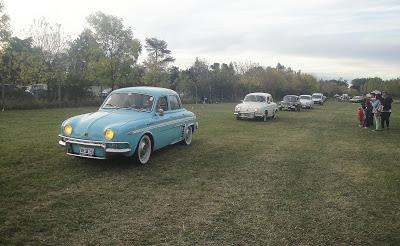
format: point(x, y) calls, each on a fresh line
point(306, 101)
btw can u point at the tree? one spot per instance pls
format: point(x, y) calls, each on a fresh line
point(22, 64)
point(159, 56)
point(83, 52)
point(119, 47)
point(4, 36)
point(53, 44)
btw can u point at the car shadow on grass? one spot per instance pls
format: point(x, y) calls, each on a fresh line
point(122, 162)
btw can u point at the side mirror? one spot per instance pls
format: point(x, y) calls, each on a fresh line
point(160, 112)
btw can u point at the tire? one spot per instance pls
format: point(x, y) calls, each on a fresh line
point(274, 115)
point(143, 150)
point(187, 135)
point(265, 115)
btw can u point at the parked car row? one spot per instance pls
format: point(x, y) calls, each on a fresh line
point(296, 103)
point(261, 105)
point(347, 98)
point(136, 121)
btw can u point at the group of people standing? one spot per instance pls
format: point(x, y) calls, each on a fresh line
point(375, 111)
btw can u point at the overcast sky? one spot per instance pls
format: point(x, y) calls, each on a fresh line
point(330, 39)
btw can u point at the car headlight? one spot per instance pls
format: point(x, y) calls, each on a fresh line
point(237, 108)
point(257, 110)
point(67, 129)
point(109, 134)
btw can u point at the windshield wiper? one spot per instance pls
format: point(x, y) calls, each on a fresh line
point(111, 106)
point(130, 108)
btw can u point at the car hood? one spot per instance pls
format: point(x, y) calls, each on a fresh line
point(247, 106)
point(92, 125)
point(305, 100)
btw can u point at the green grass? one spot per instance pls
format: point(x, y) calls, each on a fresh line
point(310, 177)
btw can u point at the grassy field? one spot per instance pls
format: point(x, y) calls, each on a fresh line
point(310, 177)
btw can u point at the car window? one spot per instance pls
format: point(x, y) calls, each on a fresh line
point(162, 104)
point(133, 101)
point(290, 98)
point(254, 98)
point(174, 102)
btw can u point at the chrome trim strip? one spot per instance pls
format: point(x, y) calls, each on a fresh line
point(177, 121)
point(83, 141)
point(86, 156)
point(86, 143)
point(62, 143)
point(109, 150)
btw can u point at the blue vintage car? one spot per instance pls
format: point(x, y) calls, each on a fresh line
point(132, 122)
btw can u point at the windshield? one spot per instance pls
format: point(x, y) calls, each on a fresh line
point(134, 101)
point(254, 98)
point(305, 97)
point(316, 96)
point(290, 98)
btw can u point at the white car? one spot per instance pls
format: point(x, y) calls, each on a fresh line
point(318, 98)
point(306, 101)
point(256, 105)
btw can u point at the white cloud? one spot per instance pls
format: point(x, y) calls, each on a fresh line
point(337, 38)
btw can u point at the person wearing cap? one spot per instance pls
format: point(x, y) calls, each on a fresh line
point(386, 110)
point(376, 110)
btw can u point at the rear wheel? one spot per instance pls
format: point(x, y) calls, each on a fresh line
point(143, 150)
point(274, 115)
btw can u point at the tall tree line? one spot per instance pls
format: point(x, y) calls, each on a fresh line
point(106, 53)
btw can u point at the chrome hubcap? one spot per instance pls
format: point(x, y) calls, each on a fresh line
point(144, 149)
point(188, 135)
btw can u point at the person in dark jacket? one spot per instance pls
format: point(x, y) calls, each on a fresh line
point(369, 116)
point(387, 109)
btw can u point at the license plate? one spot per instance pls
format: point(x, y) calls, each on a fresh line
point(86, 151)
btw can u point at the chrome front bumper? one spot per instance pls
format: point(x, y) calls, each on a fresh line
point(247, 115)
point(108, 147)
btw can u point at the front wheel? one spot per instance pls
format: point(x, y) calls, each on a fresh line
point(187, 135)
point(143, 150)
point(265, 115)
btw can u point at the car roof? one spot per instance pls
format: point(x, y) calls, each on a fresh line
point(291, 96)
point(154, 91)
point(305, 95)
point(259, 94)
